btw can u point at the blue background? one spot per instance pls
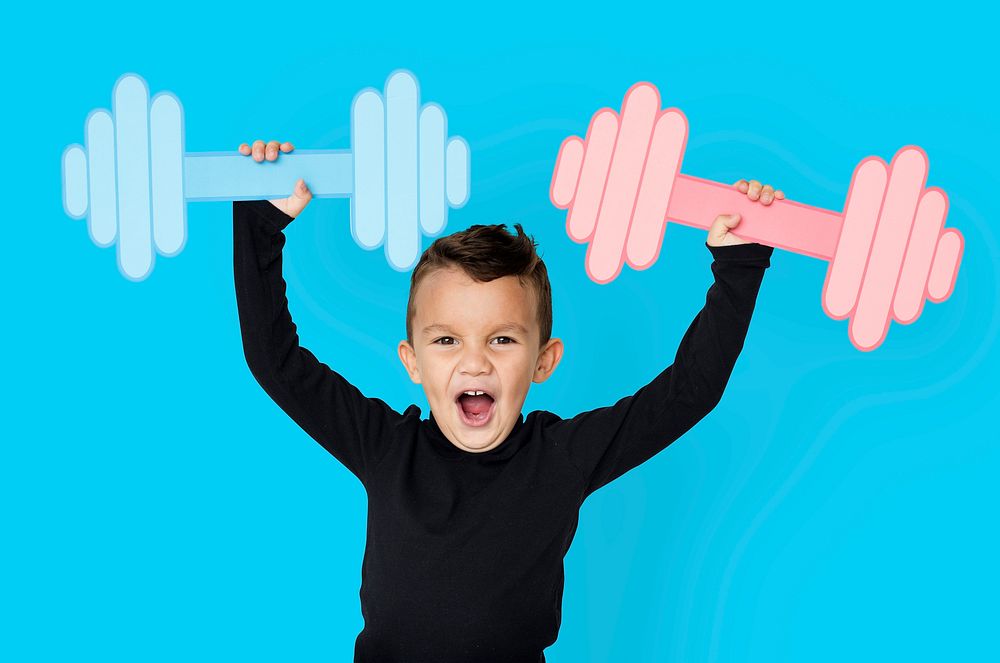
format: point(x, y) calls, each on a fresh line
point(156, 505)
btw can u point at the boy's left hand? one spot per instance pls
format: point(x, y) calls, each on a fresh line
point(718, 234)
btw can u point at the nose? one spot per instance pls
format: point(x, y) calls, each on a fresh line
point(474, 361)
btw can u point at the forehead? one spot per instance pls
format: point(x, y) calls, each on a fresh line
point(449, 297)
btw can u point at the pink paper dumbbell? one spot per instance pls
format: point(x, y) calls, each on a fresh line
point(888, 250)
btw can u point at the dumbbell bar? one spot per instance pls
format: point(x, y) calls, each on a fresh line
point(132, 180)
point(622, 183)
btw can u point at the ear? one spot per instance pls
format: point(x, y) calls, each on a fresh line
point(548, 359)
point(408, 356)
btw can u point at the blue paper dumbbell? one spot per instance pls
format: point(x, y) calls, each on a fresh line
point(133, 178)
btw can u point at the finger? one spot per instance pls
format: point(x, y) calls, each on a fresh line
point(287, 147)
point(300, 197)
point(767, 194)
point(753, 193)
point(271, 153)
point(780, 195)
point(244, 149)
point(258, 151)
point(742, 186)
point(720, 228)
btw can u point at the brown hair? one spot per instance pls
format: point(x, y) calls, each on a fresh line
point(486, 253)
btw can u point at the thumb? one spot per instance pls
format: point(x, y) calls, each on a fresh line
point(300, 197)
point(722, 225)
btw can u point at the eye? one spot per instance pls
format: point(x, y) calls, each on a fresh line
point(508, 338)
point(438, 341)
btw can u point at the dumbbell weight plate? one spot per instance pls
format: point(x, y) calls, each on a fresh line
point(166, 138)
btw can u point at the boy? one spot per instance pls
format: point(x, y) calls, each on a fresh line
point(471, 511)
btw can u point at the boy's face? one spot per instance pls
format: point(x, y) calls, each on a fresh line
point(478, 336)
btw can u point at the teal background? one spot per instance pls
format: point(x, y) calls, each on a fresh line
point(156, 505)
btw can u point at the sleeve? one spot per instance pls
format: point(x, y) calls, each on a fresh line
point(607, 442)
point(355, 429)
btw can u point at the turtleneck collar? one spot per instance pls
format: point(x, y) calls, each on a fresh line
point(444, 447)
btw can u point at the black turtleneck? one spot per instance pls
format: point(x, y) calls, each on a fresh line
point(464, 553)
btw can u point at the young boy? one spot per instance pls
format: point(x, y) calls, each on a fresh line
point(471, 511)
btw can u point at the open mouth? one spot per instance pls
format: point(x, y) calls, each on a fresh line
point(475, 410)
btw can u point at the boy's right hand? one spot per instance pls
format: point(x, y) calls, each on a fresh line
point(301, 195)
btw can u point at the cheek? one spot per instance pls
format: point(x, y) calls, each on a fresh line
point(438, 378)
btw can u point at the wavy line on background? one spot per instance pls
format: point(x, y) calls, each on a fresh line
point(335, 270)
point(525, 173)
point(785, 156)
point(544, 125)
point(855, 407)
point(345, 329)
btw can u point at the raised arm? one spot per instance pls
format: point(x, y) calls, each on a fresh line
point(352, 427)
point(607, 442)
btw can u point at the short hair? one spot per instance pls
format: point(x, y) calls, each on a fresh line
point(485, 253)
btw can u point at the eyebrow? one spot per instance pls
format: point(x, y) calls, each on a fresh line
point(509, 326)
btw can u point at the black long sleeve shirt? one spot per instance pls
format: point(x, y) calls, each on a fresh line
point(464, 552)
